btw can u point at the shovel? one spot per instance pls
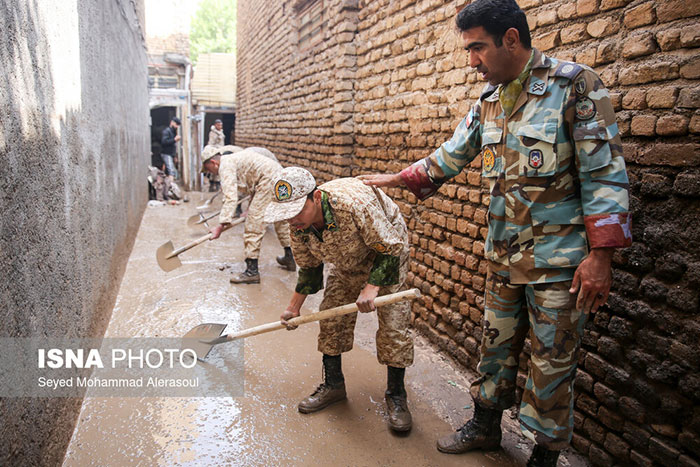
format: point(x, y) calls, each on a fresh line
point(209, 201)
point(167, 256)
point(209, 333)
point(197, 219)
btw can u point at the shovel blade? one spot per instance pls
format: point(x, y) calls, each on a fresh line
point(194, 220)
point(204, 332)
point(165, 263)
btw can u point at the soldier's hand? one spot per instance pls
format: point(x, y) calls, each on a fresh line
point(287, 315)
point(389, 180)
point(216, 231)
point(365, 302)
point(592, 280)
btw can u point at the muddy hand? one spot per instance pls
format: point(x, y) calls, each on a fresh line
point(287, 315)
point(216, 231)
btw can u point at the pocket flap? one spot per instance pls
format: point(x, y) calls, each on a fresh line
point(491, 135)
point(541, 131)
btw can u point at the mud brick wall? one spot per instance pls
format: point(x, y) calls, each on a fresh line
point(297, 102)
point(391, 82)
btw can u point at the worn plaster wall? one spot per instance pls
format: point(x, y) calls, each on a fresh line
point(404, 79)
point(73, 154)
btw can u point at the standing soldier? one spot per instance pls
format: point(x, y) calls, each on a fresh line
point(216, 134)
point(216, 139)
point(255, 172)
point(360, 234)
point(559, 206)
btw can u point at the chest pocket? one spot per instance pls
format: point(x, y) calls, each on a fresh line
point(536, 145)
point(491, 157)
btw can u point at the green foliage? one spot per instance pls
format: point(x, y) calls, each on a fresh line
point(213, 28)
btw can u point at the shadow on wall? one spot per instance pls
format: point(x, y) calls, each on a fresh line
point(71, 188)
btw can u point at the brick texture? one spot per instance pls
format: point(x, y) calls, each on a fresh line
point(387, 81)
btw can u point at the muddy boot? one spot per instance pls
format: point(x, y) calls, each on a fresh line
point(542, 457)
point(395, 396)
point(331, 390)
point(287, 261)
point(250, 275)
point(483, 431)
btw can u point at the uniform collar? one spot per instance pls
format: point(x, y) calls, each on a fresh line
point(328, 217)
point(537, 83)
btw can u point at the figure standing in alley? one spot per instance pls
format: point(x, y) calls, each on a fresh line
point(168, 151)
point(552, 155)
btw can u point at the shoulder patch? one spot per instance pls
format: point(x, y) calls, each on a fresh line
point(568, 70)
point(580, 85)
point(585, 108)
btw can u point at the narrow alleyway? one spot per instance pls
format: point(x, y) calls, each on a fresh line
point(263, 427)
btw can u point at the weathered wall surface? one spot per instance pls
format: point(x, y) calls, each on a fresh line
point(73, 154)
point(638, 382)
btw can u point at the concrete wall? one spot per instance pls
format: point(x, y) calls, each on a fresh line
point(74, 147)
point(397, 67)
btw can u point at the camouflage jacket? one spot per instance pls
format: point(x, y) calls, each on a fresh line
point(364, 233)
point(245, 169)
point(555, 169)
point(216, 137)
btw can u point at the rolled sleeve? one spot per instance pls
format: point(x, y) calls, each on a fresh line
point(601, 166)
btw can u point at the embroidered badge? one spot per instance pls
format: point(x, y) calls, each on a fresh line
point(580, 86)
point(537, 87)
point(489, 159)
point(283, 190)
point(379, 247)
point(566, 69)
point(536, 159)
point(585, 109)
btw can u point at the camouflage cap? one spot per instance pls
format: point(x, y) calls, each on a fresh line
point(208, 152)
point(291, 186)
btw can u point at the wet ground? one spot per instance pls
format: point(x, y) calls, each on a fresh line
point(263, 427)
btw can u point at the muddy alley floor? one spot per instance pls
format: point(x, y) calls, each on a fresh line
point(263, 427)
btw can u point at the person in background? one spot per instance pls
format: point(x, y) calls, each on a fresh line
point(168, 151)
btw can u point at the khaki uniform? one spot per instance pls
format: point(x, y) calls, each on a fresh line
point(558, 187)
point(216, 137)
point(364, 240)
point(255, 172)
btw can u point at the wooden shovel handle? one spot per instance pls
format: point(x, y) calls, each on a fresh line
point(202, 239)
point(325, 314)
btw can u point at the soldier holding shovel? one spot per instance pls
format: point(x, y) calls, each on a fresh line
point(359, 233)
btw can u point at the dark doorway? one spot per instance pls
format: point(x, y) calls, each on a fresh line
point(160, 119)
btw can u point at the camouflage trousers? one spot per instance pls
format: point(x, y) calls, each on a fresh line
point(255, 223)
point(548, 314)
point(393, 338)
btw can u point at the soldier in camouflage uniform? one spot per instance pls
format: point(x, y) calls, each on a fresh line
point(552, 155)
point(360, 234)
point(255, 172)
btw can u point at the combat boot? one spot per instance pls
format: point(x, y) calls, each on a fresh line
point(287, 261)
point(331, 390)
point(542, 457)
point(483, 431)
point(251, 275)
point(396, 403)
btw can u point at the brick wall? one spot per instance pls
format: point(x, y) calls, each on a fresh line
point(389, 82)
